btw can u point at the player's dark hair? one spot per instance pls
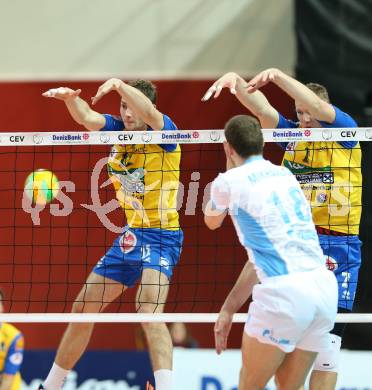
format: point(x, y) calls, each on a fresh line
point(319, 90)
point(146, 87)
point(243, 133)
point(1, 294)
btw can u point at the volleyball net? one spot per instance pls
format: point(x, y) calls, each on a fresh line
point(61, 213)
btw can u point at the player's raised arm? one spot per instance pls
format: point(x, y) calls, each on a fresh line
point(77, 107)
point(317, 107)
point(135, 100)
point(255, 102)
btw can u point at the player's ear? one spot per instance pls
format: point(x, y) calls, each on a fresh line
point(228, 149)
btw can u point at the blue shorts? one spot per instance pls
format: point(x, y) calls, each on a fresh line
point(137, 249)
point(343, 257)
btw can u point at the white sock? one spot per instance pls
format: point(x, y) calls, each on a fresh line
point(163, 379)
point(55, 378)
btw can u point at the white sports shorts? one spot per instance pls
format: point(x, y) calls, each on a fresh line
point(294, 311)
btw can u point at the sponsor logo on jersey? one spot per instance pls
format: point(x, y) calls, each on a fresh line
point(322, 197)
point(16, 358)
point(331, 263)
point(164, 262)
point(269, 333)
point(128, 242)
point(315, 177)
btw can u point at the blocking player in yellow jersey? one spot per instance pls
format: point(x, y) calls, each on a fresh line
point(330, 176)
point(11, 354)
point(146, 179)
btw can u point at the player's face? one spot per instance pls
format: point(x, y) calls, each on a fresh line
point(131, 121)
point(1, 307)
point(305, 118)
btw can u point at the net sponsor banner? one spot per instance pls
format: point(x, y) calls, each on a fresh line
point(111, 137)
point(179, 137)
point(321, 134)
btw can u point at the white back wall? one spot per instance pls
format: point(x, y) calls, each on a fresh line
point(160, 39)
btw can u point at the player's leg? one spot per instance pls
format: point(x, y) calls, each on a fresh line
point(293, 371)
point(324, 374)
point(343, 258)
point(161, 250)
point(95, 295)
point(259, 363)
point(151, 297)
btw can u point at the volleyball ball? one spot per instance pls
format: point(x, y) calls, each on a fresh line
point(41, 186)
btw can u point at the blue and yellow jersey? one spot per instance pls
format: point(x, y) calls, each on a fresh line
point(11, 352)
point(330, 176)
point(146, 179)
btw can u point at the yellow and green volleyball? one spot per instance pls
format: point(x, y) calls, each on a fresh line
point(41, 186)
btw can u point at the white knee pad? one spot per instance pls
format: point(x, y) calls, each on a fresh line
point(328, 359)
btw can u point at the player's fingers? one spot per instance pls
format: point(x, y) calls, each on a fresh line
point(232, 86)
point(49, 92)
point(77, 92)
point(218, 90)
point(98, 96)
point(251, 87)
point(55, 92)
point(218, 341)
point(209, 93)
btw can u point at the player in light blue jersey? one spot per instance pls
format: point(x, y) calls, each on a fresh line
point(294, 306)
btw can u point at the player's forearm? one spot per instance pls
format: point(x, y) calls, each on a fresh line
point(242, 289)
point(140, 103)
point(257, 103)
point(81, 112)
point(300, 93)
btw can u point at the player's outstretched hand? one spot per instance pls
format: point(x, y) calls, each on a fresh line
point(105, 88)
point(62, 93)
point(228, 80)
point(222, 329)
point(263, 78)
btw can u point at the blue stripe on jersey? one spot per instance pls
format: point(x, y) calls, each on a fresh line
point(265, 255)
point(14, 358)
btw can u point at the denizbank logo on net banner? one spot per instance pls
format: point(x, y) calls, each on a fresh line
point(71, 138)
point(190, 136)
point(289, 134)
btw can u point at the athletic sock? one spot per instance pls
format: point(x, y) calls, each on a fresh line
point(163, 379)
point(55, 378)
